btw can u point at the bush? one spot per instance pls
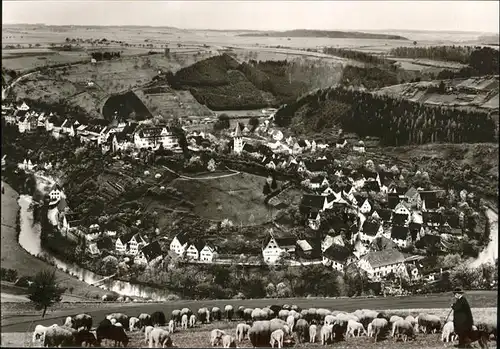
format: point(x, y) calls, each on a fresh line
point(173, 297)
point(8, 274)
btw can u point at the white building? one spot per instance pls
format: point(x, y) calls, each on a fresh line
point(365, 207)
point(381, 263)
point(179, 244)
point(276, 247)
point(193, 250)
point(237, 140)
point(207, 254)
point(148, 253)
point(153, 137)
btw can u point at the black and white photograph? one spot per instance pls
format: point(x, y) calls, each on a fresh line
point(246, 174)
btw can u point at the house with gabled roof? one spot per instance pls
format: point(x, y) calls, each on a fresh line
point(308, 249)
point(413, 197)
point(314, 219)
point(369, 231)
point(429, 200)
point(338, 257)
point(328, 240)
point(193, 250)
point(121, 243)
point(402, 208)
point(318, 182)
point(313, 203)
point(400, 235)
point(149, 253)
point(179, 244)
point(208, 253)
point(55, 193)
point(432, 219)
point(67, 128)
point(429, 241)
point(400, 219)
point(275, 247)
point(378, 264)
point(56, 127)
point(152, 136)
point(416, 231)
point(364, 206)
point(371, 186)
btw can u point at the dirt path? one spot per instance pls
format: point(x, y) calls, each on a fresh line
point(490, 253)
point(5, 90)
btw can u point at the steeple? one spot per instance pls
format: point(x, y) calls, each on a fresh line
point(237, 140)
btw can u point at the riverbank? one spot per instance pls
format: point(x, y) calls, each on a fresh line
point(15, 257)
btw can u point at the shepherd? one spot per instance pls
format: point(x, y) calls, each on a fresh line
point(462, 319)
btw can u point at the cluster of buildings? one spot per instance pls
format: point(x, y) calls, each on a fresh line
point(115, 136)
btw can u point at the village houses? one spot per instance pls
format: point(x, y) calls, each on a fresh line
point(381, 263)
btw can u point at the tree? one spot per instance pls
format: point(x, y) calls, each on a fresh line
point(254, 123)
point(44, 291)
point(222, 123)
point(266, 189)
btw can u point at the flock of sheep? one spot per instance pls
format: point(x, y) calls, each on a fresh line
point(270, 326)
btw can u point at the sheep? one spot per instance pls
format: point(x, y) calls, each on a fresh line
point(58, 335)
point(40, 331)
point(312, 333)
point(192, 320)
point(378, 326)
point(429, 323)
point(144, 319)
point(216, 336)
point(133, 323)
point(242, 331)
point(404, 329)
point(290, 321)
point(184, 321)
point(228, 341)
point(277, 338)
point(330, 319)
point(159, 336)
point(147, 332)
point(353, 326)
point(171, 326)
point(326, 334)
point(395, 318)
point(448, 333)
point(68, 322)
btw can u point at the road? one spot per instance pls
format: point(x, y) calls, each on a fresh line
point(4, 91)
point(475, 298)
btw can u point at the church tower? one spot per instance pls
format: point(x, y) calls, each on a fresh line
point(238, 140)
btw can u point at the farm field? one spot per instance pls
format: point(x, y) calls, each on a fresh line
point(236, 197)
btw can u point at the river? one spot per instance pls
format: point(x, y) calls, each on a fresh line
point(29, 239)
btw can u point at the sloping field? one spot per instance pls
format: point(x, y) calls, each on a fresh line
point(238, 197)
point(475, 92)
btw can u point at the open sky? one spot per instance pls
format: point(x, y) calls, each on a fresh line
point(479, 16)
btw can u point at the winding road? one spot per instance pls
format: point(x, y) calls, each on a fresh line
point(13, 83)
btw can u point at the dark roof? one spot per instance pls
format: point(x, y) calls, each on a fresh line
point(57, 122)
point(152, 250)
point(368, 174)
point(313, 253)
point(301, 143)
point(313, 214)
point(432, 217)
point(370, 228)
point(428, 195)
point(399, 219)
point(198, 245)
point(385, 214)
point(371, 186)
point(392, 200)
point(382, 243)
point(398, 232)
point(105, 243)
point(317, 179)
point(337, 253)
point(347, 188)
point(415, 226)
point(453, 220)
point(125, 238)
point(182, 237)
point(428, 240)
point(288, 241)
point(130, 128)
point(249, 148)
point(316, 166)
point(312, 201)
point(431, 203)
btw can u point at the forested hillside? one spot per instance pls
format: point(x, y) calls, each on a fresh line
point(395, 121)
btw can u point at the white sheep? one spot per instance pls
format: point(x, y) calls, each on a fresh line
point(448, 332)
point(39, 333)
point(161, 337)
point(290, 321)
point(192, 320)
point(184, 321)
point(216, 336)
point(404, 329)
point(312, 333)
point(171, 326)
point(378, 326)
point(242, 331)
point(326, 334)
point(147, 332)
point(330, 320)
point(133, 323)
point(277, 338)
point(353, 327)
point(228, 341)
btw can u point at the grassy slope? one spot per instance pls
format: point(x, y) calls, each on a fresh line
point(15, 257)
point(239, 197)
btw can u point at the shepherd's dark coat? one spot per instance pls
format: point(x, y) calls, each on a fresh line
point(462, 316)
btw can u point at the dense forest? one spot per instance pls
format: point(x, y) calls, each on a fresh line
point(104, 56)
point(481, 60)
point(355, 55)
point(396, 122)
point(370, 77)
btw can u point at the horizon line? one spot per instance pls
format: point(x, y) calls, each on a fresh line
point(257, 30)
